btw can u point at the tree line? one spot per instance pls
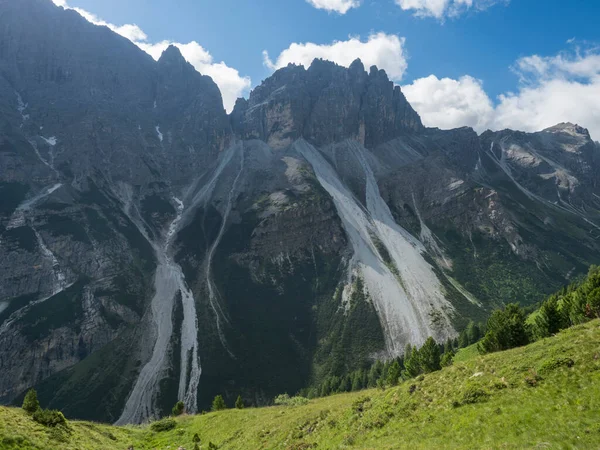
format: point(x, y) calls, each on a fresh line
point(506, 328)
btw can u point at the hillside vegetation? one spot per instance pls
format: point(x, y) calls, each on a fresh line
point(544, 395)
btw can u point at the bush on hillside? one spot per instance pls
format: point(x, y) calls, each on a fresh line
point(163, 425)
point(49, 417)
point(555, 363)
point(178, 409)
point(473, 395)
point(286, 400)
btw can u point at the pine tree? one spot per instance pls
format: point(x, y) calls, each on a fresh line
point(384, 374)
point(239, 403)
point(345, 384)
point(393, 374)
point(218, 403)
point(334, 384)
point(473, 332)
point(364, 378)
point(505, 329)
point(357, 380)
point(325, 387)
point(448, 347)
point(447, 359)
point(429, 356)
point(375, 373)
point(31, 403)
point(463, 339)
point(412, 363)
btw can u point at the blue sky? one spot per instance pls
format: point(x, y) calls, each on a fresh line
point(486, 41)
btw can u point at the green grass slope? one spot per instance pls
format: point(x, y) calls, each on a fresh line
point(545, 395)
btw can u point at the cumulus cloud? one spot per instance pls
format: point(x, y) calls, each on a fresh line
point(448, 103)
point(561, 88)
point(441, 9)
point(229, 80)
point(339, 6)
point(386, 51)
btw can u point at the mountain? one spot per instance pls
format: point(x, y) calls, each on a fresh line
point(154, 248)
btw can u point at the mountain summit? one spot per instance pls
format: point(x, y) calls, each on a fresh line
point(325, 103)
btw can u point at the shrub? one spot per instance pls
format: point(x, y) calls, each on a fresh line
point(196, 438)
point(31, 403)
point(554, 363)
point(500, 385)
point(218, 403)
point(533, 378)
point(349, 439)
point(473, 395)
point(212, 446)
point(286, 400)
point(163, 425)
point(178, 409)
point(59, 433)
point(361, 404)
point(49, 417)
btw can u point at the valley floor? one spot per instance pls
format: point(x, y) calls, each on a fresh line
point(545, 395)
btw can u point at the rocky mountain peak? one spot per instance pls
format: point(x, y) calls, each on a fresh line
point(569, 128)
point(357, 66)
point(324, 104)
point(172, 55)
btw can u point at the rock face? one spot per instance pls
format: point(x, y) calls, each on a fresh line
point(154, 249)
point(325, 104)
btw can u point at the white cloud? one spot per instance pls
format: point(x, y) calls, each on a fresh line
point(339, 6)
point(441, 9)
point(448, 103)
point(385, 51)
point(551, 102)
point(561, 88)
point(229, 80)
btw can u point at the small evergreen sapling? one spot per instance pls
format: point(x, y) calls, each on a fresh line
point(218, 403)
point(31, 403)
point(178, 409)
point(239, 403)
